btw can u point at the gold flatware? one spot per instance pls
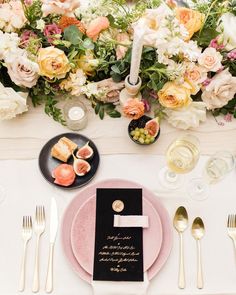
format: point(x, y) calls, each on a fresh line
point(231, 228)
point(39, 227)
point(180, 224)
point(53, 234)
point(198, 231)
point(26, 236)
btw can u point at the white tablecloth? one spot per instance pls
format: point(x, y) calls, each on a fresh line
point(23, 137)
point(26, 188)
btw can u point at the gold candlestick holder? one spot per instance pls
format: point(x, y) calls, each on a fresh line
point(130, 90)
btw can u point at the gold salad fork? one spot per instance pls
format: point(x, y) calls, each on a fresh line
point(26, 236)
point(39, 228)
point(231, 227)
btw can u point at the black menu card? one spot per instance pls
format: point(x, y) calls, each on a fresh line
point(118, 251)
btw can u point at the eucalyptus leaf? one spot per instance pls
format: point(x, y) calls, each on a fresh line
point(73, 35)
point(88, 44)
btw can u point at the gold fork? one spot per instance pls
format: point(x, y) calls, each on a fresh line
point(39, 227)
point(26, 236)
point(231, 227)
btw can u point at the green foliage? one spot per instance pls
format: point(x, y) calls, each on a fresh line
point(102, 108)
point(230, 108)
point(53, 111)
point(45, 93)
point(33, 12)
point(73, 35)
point(212, 11)
point(232, 6)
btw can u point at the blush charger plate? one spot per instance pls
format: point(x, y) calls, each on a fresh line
point(84, 195)
point(83, 235)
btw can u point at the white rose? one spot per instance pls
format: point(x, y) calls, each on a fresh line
point(220, 91)
point(11, 103)
point(227, 26)
point(8, 45)
point(65, 7)
point(187, 117)
point(22, 71)
point(210, 59)
point(12, 16)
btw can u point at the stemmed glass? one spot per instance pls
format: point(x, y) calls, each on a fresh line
point(182, 156)
point(216, 168)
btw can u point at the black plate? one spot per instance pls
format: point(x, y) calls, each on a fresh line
point(140, 123)
point(47, 163)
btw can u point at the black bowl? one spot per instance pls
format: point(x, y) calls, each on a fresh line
point(140, 123)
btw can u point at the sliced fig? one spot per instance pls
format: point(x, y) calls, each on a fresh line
point(85, 152)
point(153, 127)
point(81, 167)
point(64, 175)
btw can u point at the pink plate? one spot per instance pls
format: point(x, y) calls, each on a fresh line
point(83, 196)
point(83, 235)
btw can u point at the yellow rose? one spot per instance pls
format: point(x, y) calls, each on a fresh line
point(175, 96)
point(53, 63)
point(88, 63)
point(191, 19)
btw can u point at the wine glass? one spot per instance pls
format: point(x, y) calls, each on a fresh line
point(216, 168)
point(182, 156)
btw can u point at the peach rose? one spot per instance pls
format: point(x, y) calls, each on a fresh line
point(96, 26)
point(174, 96)
point(210, 59)
point(53, 62)
point(134, 108)
point(191, 19)
point(121, 50)
point(64, 7)
point(195, 75)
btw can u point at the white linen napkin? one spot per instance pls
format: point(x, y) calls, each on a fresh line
point(120, 288)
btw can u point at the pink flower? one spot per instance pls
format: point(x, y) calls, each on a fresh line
point(25, 38)
point(206, 82)
point(28, 2)
point(51, 31)
point(146, 105)
point(228, 117)
point(232, 55)
point(96, 26)
point(215, 44)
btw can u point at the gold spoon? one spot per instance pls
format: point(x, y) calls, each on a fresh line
point(198, 231)
point(180, 224)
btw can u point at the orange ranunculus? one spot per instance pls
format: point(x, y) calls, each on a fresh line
point(191, 19)
point(96, 26)
point(134, 108)
point(66, 21)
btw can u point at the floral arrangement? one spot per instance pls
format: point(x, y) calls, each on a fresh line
point(50, 49)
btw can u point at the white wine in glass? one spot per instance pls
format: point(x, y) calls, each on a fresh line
point(218, 166)
point(182, 156)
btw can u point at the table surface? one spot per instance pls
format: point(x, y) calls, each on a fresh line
point(25, 188)
point(24, 136)
point(20, 142)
